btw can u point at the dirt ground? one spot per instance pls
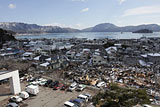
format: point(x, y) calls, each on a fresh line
point(14, 65)
point(4, 93)
point(47, 97)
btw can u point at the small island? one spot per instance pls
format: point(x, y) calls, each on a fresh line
point(143, 31)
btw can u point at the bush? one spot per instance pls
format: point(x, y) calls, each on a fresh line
point(121, 97)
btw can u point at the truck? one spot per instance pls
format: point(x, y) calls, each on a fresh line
point(32, 89)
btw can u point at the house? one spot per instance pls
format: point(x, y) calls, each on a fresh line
point(85, 54)
point(43, 58)
point(111, 53)
point(99, 59)
point(37, 58)
point(70, 54)
point(68, 46)
point(151, 57)
point(111, 50)
point(118, 45)
point(54, 61)
point(78, 56)
point(131, 60)
point(154, 57)
point(27, 56)
point(45, 66)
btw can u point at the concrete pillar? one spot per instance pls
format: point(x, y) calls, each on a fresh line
point(14, 81)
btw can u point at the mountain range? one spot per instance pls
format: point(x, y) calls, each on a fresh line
point(34, 28)
point(104, 27)
point(108, 27)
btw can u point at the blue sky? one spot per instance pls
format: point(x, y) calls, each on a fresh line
point(80, 13)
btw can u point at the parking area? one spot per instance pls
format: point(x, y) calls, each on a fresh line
point(47, 97)
point(52, 98)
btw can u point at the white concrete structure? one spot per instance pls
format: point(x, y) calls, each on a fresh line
point(98, 59)
point(14, 80)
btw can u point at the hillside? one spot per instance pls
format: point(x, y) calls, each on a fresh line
point(5, 36)
point(34, 28)
point(108, 27)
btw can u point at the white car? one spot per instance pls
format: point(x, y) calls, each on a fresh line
point(42, 81)
point(83, 97)
point(88, 95)
point(81, 87)
point(146, 105)
point(101, 84)
point(34, 83)
point(16, 99)
point(69, 104)
point(24, 94)
point(72, 86)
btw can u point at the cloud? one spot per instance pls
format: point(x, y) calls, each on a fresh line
point(121, 1)
point(80, 0)
point(56, 24)
point(85, 10)
point(12, 6)
point(142, 11)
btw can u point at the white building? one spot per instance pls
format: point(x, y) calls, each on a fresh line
point(70, 54)
point(98, 59)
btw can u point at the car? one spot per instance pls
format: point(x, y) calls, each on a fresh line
point(72, 86)
point(16, 99)
point(34, 83)
point(146, 105)
point(88, 95)
point(42, 83)
point(83, 97)
point(48, 82)
point(69, 104)
point(24, 95)
point(80, 87)
point(101, 84)
point(78, 102)
point(55, 83)
point(59, 86)
point(12, 105)
point(64, 87)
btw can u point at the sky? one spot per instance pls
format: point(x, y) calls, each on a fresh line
point(80, 13)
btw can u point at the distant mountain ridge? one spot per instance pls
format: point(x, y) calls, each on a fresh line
point(34, 28)
point(108, 27)
point(104, 27)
